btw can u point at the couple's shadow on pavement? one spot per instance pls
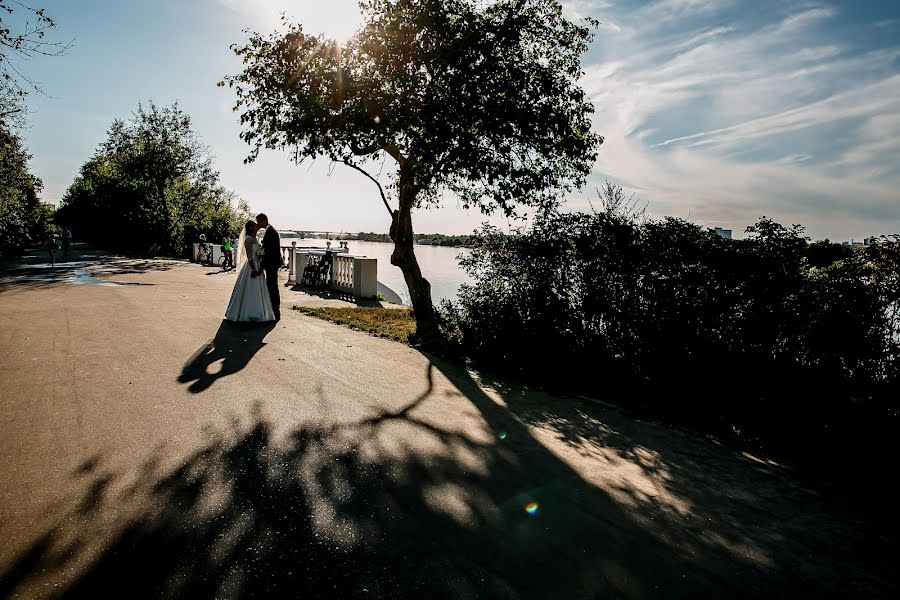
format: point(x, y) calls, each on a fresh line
point(235, 345)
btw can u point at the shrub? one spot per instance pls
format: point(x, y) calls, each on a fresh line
point(727, 335)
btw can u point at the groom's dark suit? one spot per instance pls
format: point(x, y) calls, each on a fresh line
point(271, 262)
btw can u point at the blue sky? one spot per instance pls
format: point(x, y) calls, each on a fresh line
point(715, 110)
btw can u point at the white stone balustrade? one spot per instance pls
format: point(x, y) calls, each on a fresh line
point(216, 252)
point(356, 275)
point(365, 277)
point(286, 253)
point(289, 261)
point(342, 273)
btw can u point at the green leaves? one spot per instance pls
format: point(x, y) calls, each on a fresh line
point(28, 38)
point(21, 212)
point(675, 306)
point(481, 99)
point(154, 177)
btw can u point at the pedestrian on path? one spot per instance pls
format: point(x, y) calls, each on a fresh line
point(52, 247)
point(66, 238)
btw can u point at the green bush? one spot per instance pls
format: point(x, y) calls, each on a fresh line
point(726, 335)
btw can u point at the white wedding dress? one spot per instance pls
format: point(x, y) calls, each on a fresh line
point(250, 300)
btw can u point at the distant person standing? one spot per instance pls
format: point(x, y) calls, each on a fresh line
point(227, 251)
point(271, 261)
point(52, 247)
point(66, 238)
point(204, 252)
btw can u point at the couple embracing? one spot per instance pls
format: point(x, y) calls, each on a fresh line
point(255, 297)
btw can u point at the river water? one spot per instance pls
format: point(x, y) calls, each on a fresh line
point(438, 263)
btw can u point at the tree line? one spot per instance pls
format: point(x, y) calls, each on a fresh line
point(434, 239)
point(150, 188)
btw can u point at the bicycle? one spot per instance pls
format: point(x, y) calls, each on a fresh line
point(226, 261)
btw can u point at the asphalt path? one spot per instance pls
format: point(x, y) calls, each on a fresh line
point(150, 449)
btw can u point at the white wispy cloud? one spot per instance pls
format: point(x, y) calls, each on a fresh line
point(724, 117)
point(874, 99)
point(793, 159)
point(801, 19)
point(665, 10)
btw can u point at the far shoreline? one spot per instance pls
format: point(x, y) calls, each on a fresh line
point(439, 240)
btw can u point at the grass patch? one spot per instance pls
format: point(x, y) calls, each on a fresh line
point(396, 324)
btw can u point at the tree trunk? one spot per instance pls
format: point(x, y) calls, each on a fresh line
point(404, 257)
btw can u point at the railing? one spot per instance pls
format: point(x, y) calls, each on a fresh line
point(285, 251)
point(342, 273)
point(286, 255)
point(356, 275)
point(343, 247)
point(216, 253)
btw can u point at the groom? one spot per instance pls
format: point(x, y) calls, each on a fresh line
point(271, 261)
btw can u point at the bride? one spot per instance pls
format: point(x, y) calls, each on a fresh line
point(250, 300)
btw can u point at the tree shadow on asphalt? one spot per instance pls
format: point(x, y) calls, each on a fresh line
point(234, 345)
point(400, 504)
point(86, 267)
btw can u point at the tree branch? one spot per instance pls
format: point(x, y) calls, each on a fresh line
point(375, 181)
point(394, 151)
point(365, 150)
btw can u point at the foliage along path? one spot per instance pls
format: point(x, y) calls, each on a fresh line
point(151, 450)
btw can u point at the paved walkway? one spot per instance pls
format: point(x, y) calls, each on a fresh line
point(151, 450)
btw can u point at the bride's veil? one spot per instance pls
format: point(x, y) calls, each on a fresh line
point(241, 250)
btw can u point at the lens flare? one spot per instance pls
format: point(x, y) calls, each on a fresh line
point(502, 436)
point(531, 508)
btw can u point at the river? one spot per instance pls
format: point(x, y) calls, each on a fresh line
point(438, 263)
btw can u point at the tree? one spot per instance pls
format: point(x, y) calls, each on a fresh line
point(824, 253)
point(614, 201)
point(22, 216)
point(159, 147)
point(12, 110)
point(480, 99)
point(23, 34)
point(154, 178)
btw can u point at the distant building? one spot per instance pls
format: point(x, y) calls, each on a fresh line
point(858, 245)
point(725, 233)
